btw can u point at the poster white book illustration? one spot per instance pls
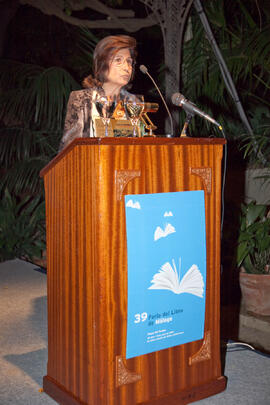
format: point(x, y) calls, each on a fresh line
point(133, 204)
point(162, 233)
point(166, 249)
point(168, 214)
point(168, 278)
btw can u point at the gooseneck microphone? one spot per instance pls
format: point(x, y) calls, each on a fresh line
point(144, 70)
point(190, 108)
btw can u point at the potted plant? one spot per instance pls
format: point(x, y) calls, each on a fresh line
point(253, 257)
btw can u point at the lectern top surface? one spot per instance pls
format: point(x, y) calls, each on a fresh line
point(148, 140)
point(159, 141)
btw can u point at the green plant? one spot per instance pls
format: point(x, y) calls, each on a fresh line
point(22, 227)
point(257, 147)
point(241, 30)
point(253, 247)
point(33, 103)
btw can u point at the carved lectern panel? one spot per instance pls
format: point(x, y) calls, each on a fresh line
point(122, 177)
point(204, 352)
point(206, 175)
point(123, 375)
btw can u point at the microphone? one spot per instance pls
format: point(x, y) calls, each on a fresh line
point(144, 70)
point(190, 108)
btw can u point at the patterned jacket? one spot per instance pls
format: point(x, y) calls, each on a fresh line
point(78, 117)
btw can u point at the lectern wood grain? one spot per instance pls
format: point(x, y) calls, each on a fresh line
point(87, 271)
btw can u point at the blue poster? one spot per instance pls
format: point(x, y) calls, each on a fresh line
point(166, 248)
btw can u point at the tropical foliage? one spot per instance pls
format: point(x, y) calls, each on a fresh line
point(259, 154)
point(32, 106)
point(22, 227)
point(33, 102)
point(253, 249)
point(242, 31)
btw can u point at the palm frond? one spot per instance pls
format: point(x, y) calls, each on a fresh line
point(23, 177)
point(86, 43)
point(245, 47)
point(18, 144)
point(22, 227)
point(50, 92)
point(34, 96)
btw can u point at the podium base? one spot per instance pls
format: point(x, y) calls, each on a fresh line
point(187, 396)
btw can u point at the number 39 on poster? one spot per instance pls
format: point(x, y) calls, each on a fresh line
point(140, 317)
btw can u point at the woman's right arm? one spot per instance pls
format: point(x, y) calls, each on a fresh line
point(74, 122)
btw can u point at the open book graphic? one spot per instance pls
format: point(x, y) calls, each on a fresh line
point(168, 279)
point(133, 204)
point(168, 214)
point(160, 233)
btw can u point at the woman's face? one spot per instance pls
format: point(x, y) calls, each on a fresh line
point(120, 68)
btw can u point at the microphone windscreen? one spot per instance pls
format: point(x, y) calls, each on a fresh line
point(143, 69)
point(177, 99)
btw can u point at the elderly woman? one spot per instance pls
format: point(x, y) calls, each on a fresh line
point(113, 66)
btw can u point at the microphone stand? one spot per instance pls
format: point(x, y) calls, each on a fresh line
point(144, 70)
point(185, 127)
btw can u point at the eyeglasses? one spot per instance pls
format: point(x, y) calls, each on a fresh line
point(120, 60)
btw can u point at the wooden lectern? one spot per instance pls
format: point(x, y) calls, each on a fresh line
point(87, 271)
